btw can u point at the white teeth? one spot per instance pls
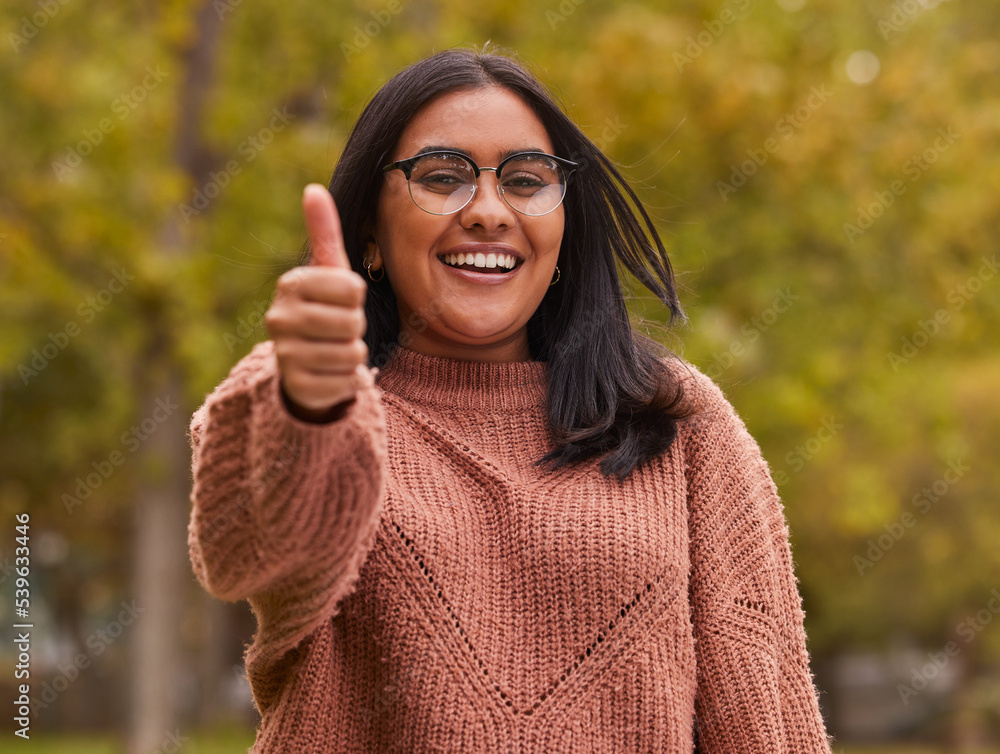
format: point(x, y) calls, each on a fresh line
point(507, 261)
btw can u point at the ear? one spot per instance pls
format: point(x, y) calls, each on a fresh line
point(373, 253)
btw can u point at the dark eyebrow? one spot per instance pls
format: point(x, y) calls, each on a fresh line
point(509, 152)
point(425, 150)
point(457, 150)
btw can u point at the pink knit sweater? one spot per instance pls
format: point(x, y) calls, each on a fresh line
point(421, 586)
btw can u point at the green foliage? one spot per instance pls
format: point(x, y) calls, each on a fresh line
point(682, 109)
point(220, 741)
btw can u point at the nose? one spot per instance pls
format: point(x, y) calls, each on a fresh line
point(487, 208)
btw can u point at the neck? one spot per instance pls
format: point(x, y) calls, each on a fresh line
point(465, 384)
point(514, 348)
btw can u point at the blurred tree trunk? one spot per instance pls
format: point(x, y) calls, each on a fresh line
point(967, 730)
point(215, 669)
point(161, 563)
point(160, 571)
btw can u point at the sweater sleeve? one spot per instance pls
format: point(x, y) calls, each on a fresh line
point(284, 511)
point(755, 689)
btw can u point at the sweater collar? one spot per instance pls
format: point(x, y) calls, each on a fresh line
point(469, 385)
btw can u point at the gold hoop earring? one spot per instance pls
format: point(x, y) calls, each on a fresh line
point(368, 269)
point(556, 280)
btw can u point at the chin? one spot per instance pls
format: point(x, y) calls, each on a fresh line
point(482, 333)
point(480, 336)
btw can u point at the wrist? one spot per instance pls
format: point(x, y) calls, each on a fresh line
point(316, 416)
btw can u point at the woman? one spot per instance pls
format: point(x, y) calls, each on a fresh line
point(471, 509)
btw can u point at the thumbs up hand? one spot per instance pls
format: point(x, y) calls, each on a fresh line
point(317, 318)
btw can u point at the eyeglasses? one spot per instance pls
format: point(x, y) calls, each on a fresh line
point(443, 182)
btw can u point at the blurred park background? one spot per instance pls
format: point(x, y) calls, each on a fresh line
point(825, 175)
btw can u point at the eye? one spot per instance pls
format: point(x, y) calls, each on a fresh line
point(442, 173)
point(441, 179)
point(529, 174)
point(524, 182)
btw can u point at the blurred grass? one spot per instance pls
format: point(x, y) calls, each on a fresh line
point(221, 741)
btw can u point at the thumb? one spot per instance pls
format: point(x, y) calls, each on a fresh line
point(326, 241)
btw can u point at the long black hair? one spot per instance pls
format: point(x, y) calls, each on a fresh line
point(609, 392)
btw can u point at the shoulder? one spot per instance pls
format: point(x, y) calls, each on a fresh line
point(703, 401)
point(711, 426)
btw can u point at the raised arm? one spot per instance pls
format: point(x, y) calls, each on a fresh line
point(289, 451)
point(755, 689)
point(274, 497)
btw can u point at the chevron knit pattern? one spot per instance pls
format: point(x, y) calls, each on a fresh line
point(421, 586)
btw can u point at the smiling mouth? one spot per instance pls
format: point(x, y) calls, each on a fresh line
point(479, 262)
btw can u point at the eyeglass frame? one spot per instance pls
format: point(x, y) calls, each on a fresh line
point(407, 167)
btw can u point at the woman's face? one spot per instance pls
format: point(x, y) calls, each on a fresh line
point(445, 311)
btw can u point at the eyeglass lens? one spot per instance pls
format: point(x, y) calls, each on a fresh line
point(443, 184)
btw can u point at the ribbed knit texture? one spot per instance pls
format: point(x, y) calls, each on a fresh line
point(421, 586)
